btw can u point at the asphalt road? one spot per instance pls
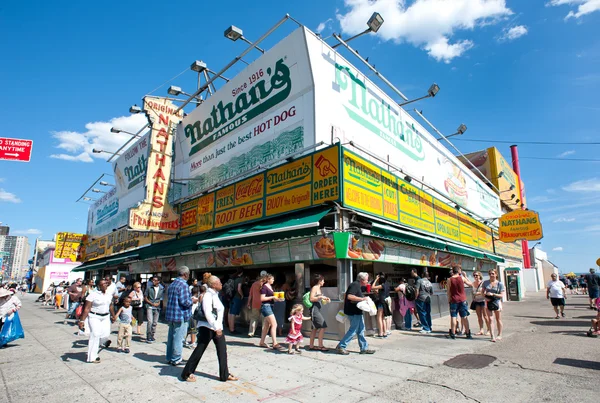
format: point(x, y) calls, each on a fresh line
point(540, 359)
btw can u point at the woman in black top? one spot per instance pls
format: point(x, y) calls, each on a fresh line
point(383, 292)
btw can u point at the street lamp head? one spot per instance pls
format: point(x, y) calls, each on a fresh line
point(96, 190)
point(375, 22)
point(433, 90)
point(113, 130)
point(135, 109)
point(461, 129)
point(87, 198)
point(96, 151)
point(198, 66)
point(233, 33)
point(174, 90)
point(104, 183)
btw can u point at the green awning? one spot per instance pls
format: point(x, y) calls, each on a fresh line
point(90, 266)
point(118, 260)
point(396, 234)
point(512, 269)
point(463, 250)
point(495, 258)
point(297, 225)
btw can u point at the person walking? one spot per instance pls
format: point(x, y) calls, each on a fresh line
point(318, 321)
point(137, 303)
point(210, 326)
point(58, 295)
point(254, 303)
point(235, 307)
point(593, 286)
point(405, 306)
point(383, 292)
point(179, 310)
point(556, 293)
point(268, 299)
point(294, 337)
point(423, 292)
point(494, 292)
point(75, 293)
point(153, 296)
point(457, 298)
point(125, 316)
point(98, 307)
point(9, 303)
point(353, 296)
point(478, 303)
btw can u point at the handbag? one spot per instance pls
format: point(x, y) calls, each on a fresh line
point(136, 303)
point(11, 330)
point(78, 311)
point(493, 305)
point(473, 307)
point(199, 313)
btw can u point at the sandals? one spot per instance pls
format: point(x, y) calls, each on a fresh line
point(190, 378)
point(298, 351)
point(264, 345)
point(276, 346)
point(481, 333)
point(309, 348)
point(232, 378)
point(291, 352)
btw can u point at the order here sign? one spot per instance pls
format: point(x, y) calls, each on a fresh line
point(15, 149)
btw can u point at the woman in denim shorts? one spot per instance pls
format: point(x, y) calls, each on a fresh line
point(268, 299)
point(479, 302)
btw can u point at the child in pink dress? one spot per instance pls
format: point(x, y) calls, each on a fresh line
point(294, 337)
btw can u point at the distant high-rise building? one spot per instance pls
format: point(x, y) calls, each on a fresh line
point(4, 230)
point(15, 251)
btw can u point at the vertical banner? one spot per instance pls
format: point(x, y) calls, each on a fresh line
point(156, 213)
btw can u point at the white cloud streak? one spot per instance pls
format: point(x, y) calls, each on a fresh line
point(564, 219)
point(558, 249)
point(566, 153)
point(78, 146)
point(30, 231)
point(510, 34)
point(584, 7)
point(323, 25)
point(428, 24)
point(587, 185)
point(8, 197)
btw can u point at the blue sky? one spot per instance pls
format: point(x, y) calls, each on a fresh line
point(514, 70)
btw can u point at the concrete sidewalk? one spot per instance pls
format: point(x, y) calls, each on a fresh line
point(50, 364)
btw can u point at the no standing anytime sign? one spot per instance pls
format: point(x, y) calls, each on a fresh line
point(15, 149)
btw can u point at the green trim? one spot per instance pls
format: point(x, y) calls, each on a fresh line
point(465, 251)
point(495, 258)
point(512, 269)
point(91, 266)
point(301, 224)
point(396, 234)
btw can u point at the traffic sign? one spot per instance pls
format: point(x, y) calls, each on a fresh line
point(15, 149)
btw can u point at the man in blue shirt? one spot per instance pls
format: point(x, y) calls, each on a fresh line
point(179, 310)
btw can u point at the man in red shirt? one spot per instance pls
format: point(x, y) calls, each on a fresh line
point(457, 298)
point(254, 303)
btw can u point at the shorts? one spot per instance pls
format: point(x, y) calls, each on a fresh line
point(594, 293)
point(138, 314)
point(583, 285)
point(192, 326)
point(557, 301)
point(385, 307)
point(236, 306)
point(266, 310)
point(479, 303)
point(460, 308)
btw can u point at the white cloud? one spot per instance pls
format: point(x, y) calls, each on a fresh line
point(558, 249)
point(551, 191)
point(592, 228)
point(30, 231)
point(587, 185)
point(566, 154)
point(8, 197)
point(1, 180)
point(79, 145)
point(584, 7)
point(510, 34)
point(428, 24)
point(564, 219)
point(323, 25)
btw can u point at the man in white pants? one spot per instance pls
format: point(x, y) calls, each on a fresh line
point(98, 311)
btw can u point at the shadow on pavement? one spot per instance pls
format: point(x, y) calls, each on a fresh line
point(534, 317)
point(149, 357)
point(74, 356)
point(580, 333)
point(578, 363)
point(242, 343)
point(80, 344)
point(562, 322)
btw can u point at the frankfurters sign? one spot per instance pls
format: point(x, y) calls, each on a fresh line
point(520, 224)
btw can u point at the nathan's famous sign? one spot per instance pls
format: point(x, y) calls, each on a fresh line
point(155, 213)
point(520, 224)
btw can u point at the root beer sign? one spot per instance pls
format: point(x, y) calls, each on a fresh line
point(155, 213)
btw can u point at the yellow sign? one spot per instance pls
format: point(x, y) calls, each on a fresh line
point(309, 181)
point(156, 213)
point(508, 249)
point(520, 224)
point(598, 262)
point(114, 243)
point(67, 245)
point(375, 191)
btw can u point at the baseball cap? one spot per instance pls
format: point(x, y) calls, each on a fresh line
point(263, 273)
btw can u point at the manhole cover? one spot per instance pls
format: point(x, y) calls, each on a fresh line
point(470, 361)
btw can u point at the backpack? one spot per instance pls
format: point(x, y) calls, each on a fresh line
point(306, 300)
point(228, 288)
point(410, 293)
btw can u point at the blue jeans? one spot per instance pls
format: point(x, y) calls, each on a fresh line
point(72, 307)
point(408, 320)
point(177, 334)
point(424, 309)
point(357, 326)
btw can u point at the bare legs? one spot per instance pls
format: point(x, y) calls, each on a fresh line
point(480, 310)
point(490, 322)
point(269, 326)
point(381, 323)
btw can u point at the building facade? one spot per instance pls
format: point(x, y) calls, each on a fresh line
point(15, 254)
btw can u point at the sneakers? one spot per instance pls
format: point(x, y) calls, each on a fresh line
point(367, 352)
point(562, 314)
point(342, 351)
point(150, 340)
point(451, 335)
point(126, 351)
point(469, 336)
point(423, 331)
point(192, 345)
point(107, 344)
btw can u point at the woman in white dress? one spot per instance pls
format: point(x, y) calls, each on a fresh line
point(98, 311)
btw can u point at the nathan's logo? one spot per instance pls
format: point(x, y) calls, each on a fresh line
point(288, 176)
point(378, 116)
point(107, 211)
point(224, 118)
point(136, 173)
